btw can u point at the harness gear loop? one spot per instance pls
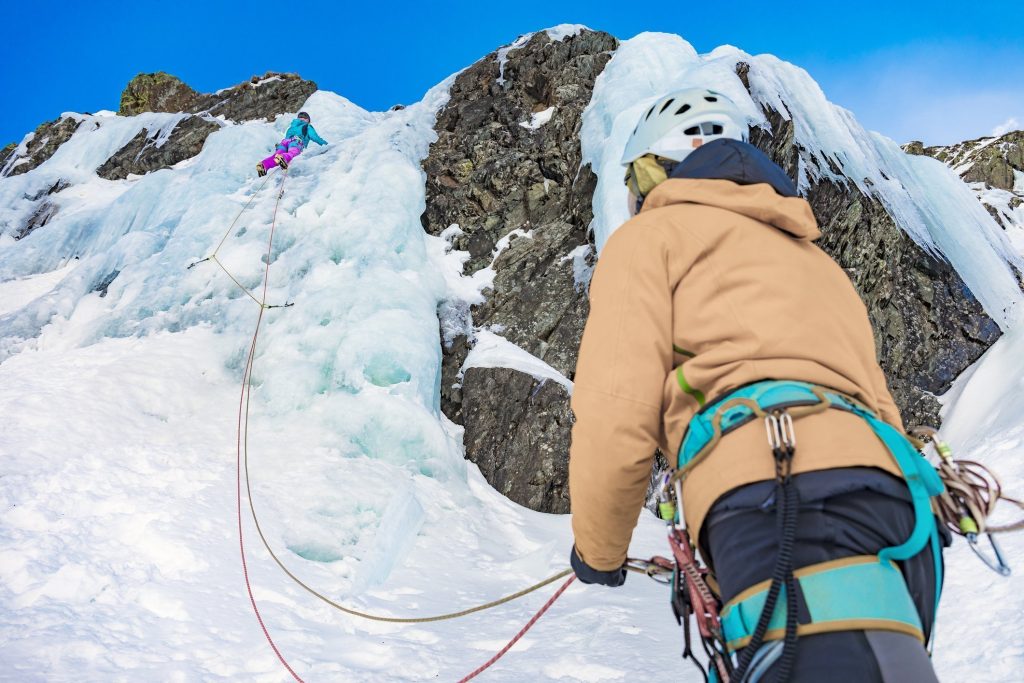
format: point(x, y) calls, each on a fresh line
point(691, 595)
point(782, 441)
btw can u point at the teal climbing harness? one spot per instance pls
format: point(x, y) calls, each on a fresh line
point(850, 594)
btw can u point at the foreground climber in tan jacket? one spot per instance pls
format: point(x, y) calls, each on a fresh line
point(716, 284)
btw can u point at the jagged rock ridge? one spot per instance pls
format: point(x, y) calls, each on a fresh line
point(499, 171)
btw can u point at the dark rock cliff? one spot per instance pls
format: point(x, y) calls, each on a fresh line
point(496, 168)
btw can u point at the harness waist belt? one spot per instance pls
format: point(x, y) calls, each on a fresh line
point(854, 593)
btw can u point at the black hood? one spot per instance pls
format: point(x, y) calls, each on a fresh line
point(742, 163)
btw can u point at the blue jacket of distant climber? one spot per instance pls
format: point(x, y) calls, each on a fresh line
point(304, 132)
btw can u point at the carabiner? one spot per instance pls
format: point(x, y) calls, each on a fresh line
point(999, 566)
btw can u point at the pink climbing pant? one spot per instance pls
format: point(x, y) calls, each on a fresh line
point(289, 148)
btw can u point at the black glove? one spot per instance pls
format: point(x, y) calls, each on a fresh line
point(587, 574)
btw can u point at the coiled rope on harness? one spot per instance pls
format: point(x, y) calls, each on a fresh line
point(242, 465)
point(972, 493)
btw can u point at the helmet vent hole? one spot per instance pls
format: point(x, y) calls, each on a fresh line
point(716, 129)
point(692, 130)
point(710, 99)
point(683, 109)
point(665, 106)
point(649, 112)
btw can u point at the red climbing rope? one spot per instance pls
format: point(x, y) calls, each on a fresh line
point(243, 412)
point(519, 635)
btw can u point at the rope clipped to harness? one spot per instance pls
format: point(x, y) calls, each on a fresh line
point(972, 493)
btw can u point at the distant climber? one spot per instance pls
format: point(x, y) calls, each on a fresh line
point(714, 298)
point(298, 137)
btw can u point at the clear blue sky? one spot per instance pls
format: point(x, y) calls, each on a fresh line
point(937, 71)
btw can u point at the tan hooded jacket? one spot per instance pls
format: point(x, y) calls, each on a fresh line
point(712, 286)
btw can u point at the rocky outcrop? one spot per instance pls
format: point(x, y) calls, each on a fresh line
point(41, 146)
point(517, 432)
point(994, 167)
point(6, 153)
point(146, 152)
point(506, 170)
point(928, 327)
point(990, 160)
point(261, 97)
point(156, 92)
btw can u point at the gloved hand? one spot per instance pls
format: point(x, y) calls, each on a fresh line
point(587, 574)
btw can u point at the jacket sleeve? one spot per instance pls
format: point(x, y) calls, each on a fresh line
point(314, 137)
point(625, 356)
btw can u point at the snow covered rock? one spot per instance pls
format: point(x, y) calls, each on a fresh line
point(994, 168)
point(990, 160)
point(928, 327)
point(151, 150)
point(523, 205)
point(261, 97)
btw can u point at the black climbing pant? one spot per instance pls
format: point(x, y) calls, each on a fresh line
point(842, 513)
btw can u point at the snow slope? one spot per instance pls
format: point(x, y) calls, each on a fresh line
point(118, 535)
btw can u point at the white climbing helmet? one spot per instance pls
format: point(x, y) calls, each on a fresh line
point(668, 129)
